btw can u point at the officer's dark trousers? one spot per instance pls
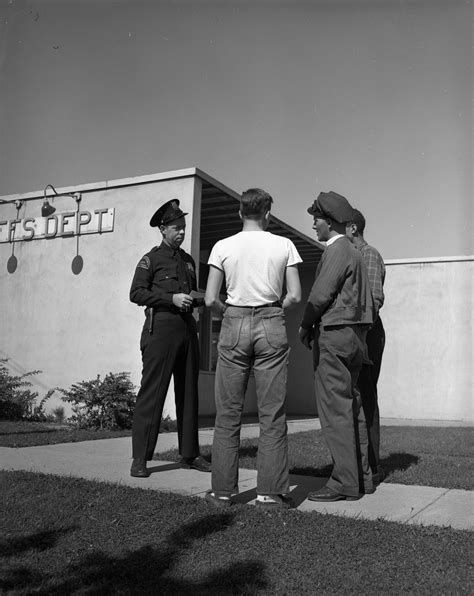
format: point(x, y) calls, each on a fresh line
point(341, 351)
point(367, 384)
point(171, 349)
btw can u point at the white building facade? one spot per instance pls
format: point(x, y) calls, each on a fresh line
point(65, 310)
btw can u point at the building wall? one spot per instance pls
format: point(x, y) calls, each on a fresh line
point(427, 364)
point(73, 327)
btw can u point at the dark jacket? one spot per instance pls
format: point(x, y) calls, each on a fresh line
point(341, 292)
point(161, 273)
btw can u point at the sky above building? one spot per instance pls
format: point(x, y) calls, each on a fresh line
point(369, 98)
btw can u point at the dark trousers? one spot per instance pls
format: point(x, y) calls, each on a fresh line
point(341, 352)
point(172, 349)
point(367, 384)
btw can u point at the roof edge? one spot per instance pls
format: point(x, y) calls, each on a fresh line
point(108, 184)
point(421, 260)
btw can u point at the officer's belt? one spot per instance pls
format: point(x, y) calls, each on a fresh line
point(171, 309)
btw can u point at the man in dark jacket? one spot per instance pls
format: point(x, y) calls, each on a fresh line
point(369, 375)
point(338, 313)
point(163, 281)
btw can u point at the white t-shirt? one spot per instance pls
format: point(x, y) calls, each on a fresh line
point(254, 264)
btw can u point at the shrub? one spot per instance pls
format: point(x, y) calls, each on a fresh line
point(102, 404)
point(17, 401)
point(59, 414)
point(168, 425)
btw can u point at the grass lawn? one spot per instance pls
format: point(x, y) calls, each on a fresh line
point(427, 456)
point(27, 434)
point(63, 536)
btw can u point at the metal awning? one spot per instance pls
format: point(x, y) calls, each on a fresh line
point(220, 219)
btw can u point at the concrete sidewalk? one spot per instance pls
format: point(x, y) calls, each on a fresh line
point(108, 460)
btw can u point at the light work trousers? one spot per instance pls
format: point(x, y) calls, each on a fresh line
point(341, 353)
point(251, 338)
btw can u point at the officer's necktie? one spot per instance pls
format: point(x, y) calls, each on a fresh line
point(182, 274)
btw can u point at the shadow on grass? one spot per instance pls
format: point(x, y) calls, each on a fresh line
point(250, 451)
point(392, 463)
point(398, 462)
point(39, 541)
point(145, 570)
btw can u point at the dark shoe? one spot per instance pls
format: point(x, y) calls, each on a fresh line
point(196, 463)
point(369, 491)
point(378, 477)
point(326, 494)
point(138, 469)
point(217, 501)
point(277, 502)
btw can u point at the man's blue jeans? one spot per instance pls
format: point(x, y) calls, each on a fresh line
point(251, 338)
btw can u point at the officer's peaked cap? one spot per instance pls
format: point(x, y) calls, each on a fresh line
point(330, 204)
point(166, 214)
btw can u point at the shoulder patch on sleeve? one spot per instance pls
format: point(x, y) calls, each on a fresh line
point(144, 263)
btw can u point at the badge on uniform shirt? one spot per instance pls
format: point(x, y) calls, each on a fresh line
point(190, 267)
point(144, 263)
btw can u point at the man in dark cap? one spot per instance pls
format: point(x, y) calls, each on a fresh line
point(369, 374)
point(338, 313)
point(163, 282)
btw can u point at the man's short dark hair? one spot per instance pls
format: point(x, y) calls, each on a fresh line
point(359, 220)
point(254, 203)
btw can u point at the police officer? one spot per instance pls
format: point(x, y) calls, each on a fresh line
point(163, 281)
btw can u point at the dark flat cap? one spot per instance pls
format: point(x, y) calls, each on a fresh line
point(166, 214)
point(330, 204)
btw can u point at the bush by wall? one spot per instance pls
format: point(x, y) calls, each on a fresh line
point(102, 403)
point(17, 401)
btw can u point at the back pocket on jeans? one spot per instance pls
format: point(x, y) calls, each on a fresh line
point(230, 332)
point(275, 330)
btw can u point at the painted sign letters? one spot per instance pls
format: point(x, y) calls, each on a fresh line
point(63, 224)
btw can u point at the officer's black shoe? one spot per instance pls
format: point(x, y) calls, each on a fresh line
point(138, 469)
point(196, 463)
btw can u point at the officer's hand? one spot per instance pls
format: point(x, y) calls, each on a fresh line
point(306, 337)
point(182, 301)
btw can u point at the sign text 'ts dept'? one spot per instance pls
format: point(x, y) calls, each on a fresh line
point(63, 224)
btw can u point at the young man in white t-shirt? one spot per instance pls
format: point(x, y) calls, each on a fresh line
point(255, 264)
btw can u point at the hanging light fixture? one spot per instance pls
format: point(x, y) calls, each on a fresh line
point(12, 262)
point(77, 262)
point(48, 209)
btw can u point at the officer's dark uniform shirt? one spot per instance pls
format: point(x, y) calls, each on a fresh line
point(160, 273)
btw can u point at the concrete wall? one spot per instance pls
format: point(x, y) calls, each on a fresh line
point(73, 327)
point(427, 365)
